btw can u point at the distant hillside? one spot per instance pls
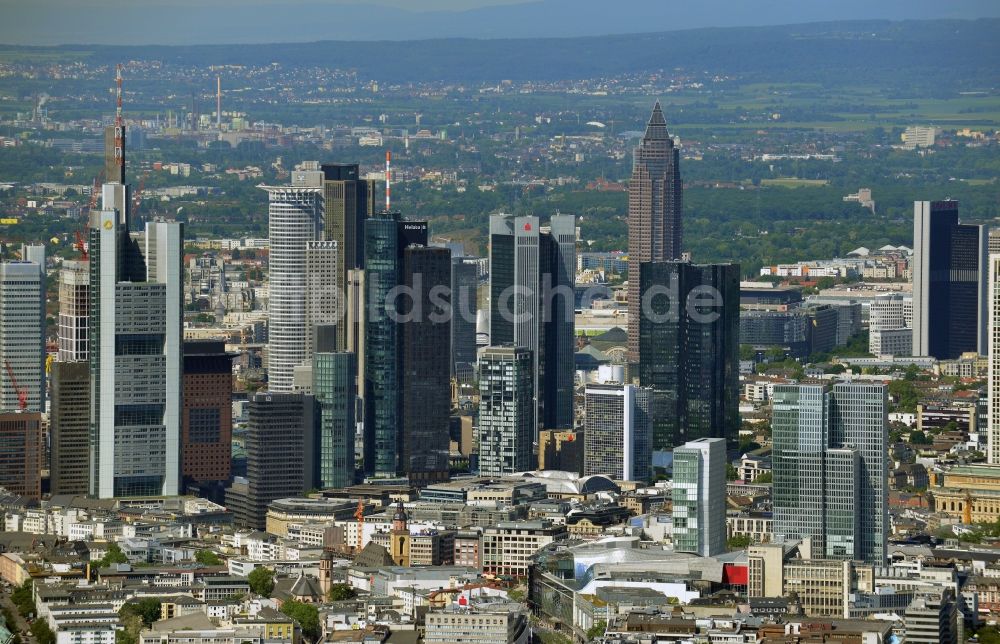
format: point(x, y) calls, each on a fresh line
point(939, 55)
point(182, 22)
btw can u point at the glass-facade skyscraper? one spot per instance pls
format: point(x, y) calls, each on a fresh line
point(532, 299)
point(425, 370)
point(465, 305)
point(689, 350)
point(22, 333)
point(387, 237)
point(949, 282)
point(506, 410)
point(136, 352)
point(335, 391)
point(654, 212)
point(616, 431)
point(699, 497)
point(830, 468)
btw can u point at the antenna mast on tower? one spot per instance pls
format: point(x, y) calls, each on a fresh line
point(388, 180)
point(218, 101)
point(119, 125)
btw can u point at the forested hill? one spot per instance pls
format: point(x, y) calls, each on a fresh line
point(941, 55)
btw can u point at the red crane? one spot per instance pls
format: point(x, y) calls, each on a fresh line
point(22, 395)
point(95, 192)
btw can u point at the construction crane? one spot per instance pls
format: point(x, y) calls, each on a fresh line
point(359, 514)
point(22, 395)
point(95, 191)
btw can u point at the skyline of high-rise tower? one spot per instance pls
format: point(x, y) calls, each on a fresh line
point(654, 212)
point(136, 351)
point(949, 282)
point(294, 215)
point(532, 281)
point(830, 468)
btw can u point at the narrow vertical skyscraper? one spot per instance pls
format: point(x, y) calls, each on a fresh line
point(387, 236)
point(699, 497)
point(74, 303)
point(335, 390)
point(532, 282)
point(136, 353)
point(22, 335)
point(800, 425)
point(464, 306)
point(324, 301)
point(294, 219)
point(348, 200)
point(830, 468)
point(950, 314)
point(689, 350)
point(424, 369)
point(617, 432)
point(654, 212)
point(993, 385)
point(506, 410)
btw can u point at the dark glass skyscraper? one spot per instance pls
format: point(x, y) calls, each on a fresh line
point(280, 433)
point(532, 282)
point(464, 293)
point(689, 350)
point(386, 238)
point(949, 282)
point(348, 200)
point(654, 212)
point(425, 373)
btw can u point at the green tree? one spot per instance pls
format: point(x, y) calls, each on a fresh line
point(988, 635)
point(905, 394)
point(207, 558)
point(731, 472)
point(43, 634)
point(766, 477)
point(917, 437)
point(341, 592)
point(597, 630)
point(147, 608)
point(738, 542)
point(113, 556)
point(261, 581)
point(306, 615)
point(23, 598)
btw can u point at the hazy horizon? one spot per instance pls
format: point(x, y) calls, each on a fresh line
point(191, 22)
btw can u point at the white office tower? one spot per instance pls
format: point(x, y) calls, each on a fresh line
point(136, 352)
point(617, 432)
point(699, 496)
point(294, 219)
point(74, 310)
point(22, 333)
point(890, 325)
point(993, 433)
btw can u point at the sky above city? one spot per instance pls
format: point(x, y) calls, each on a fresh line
point(132, 22)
